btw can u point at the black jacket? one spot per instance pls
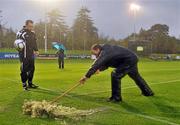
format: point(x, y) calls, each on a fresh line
point(112, 56)
point(60, 54)
point(30, 41)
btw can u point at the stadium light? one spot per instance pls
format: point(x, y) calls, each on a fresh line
point(48, 1)
point(134, 8)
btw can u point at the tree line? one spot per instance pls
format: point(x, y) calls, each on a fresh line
point(80, 36)
point(7, 35)
point(83, 33)
point(159, 37)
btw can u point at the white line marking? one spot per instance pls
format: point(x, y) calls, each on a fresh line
point(129, 87)
point(52, 90)
point(145, 116)
point(156, 119)
point(15, 81)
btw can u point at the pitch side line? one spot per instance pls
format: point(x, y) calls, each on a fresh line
point(16, 81)
point(96, 92)
point(156, 119)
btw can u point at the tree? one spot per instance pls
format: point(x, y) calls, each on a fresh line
point(1, 28)
point(39, 29)
point(57, 28)
point(103, 39)
point(9, 38)
point(159, 35)
point(7, 35)
point(160, 28)
point(84, 30)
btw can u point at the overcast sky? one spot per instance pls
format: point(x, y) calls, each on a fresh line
point(111, 17)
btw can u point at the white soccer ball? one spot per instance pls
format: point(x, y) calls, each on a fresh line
point(19, 44)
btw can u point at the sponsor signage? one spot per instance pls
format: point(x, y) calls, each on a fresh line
point(9, 55)
point(4, 55)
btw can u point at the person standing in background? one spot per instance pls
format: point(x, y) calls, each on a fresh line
point(60, 54)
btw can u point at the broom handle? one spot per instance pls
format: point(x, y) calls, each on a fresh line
point(67, 91)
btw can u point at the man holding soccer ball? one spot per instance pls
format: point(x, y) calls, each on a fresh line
point(27, 47)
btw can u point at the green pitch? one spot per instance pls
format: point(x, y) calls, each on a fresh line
point(162, 109)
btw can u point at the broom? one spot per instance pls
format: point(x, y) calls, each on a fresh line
point(67, 91)
point(38, 109)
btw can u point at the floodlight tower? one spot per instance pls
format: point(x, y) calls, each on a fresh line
point(135, 9)
point(46, 3)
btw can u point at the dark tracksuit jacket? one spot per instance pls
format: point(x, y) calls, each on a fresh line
point(26, 56)
point(124, 61)
point(61, 55)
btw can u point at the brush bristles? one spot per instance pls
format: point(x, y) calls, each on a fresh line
point(46, 109)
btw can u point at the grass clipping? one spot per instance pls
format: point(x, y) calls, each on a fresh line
point(37, 109)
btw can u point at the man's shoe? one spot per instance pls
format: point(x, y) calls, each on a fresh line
point(33, 86)
point(109, 99)
point(25, 89)
point(148, 94)
point(114, 99)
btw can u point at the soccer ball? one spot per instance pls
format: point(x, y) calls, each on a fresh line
point(19, 44)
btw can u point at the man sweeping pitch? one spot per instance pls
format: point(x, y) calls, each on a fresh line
point(125, 63)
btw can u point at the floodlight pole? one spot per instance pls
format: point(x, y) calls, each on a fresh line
point(134, 12)
point(60, 34)
point(72, 40)
point(45, 29)
point(84, 46)
point(134, 8)
point(85, 36)
point(45, 42)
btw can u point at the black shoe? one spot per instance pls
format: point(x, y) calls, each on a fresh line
point(25, 89)
point(33, 86)
point(109, 99)
point(114, 99)
point(148, 94)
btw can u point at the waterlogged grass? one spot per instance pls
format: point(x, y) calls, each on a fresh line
point(163, 108)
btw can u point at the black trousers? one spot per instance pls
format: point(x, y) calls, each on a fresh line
point(61, 63)
point(132, 71)
point(27, 70)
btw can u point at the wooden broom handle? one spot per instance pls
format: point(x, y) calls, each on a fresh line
point(63, 94)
